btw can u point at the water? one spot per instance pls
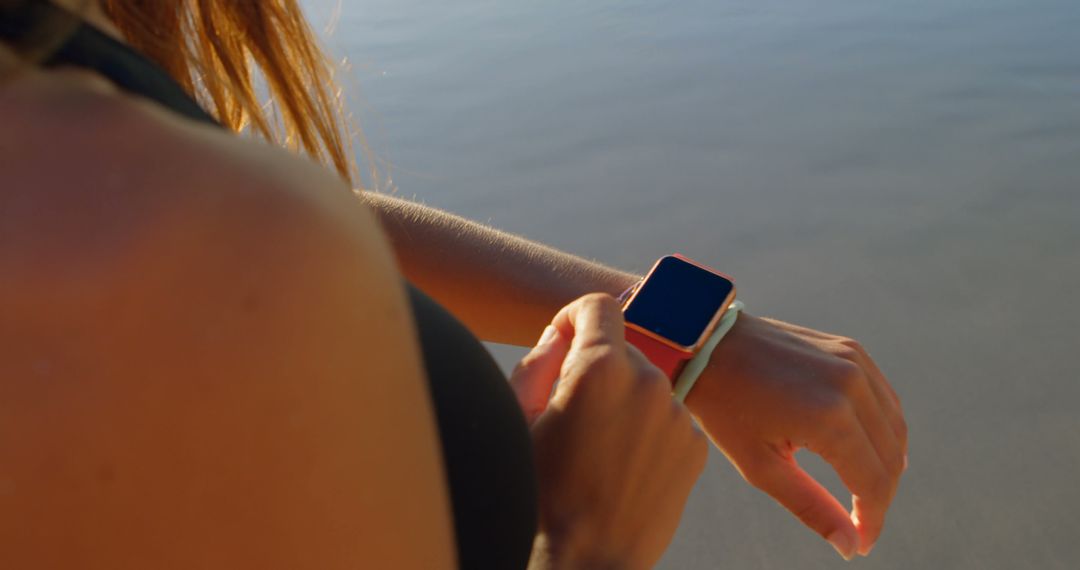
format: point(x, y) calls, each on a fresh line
point(903, 172)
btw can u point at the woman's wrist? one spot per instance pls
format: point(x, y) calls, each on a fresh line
point(701, 396)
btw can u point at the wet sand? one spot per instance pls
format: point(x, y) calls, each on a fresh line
point(906, 174)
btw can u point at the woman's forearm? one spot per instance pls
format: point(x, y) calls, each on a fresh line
point(767, 385)
point(503, 287)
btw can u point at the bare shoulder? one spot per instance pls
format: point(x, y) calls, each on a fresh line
point(95, 180)
point(200, 337)
point(106, 197)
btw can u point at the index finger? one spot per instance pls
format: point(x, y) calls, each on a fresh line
point(595, 319)
point(856, 461)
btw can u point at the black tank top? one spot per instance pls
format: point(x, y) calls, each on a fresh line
point(485, 443)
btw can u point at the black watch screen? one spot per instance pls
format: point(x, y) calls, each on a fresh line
point(678, 300)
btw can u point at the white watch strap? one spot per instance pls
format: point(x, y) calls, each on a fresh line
point(696, 365)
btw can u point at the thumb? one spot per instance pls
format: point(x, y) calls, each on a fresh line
point(534, 377)
point(785, 481)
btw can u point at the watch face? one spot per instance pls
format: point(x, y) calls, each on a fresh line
point(678, 301)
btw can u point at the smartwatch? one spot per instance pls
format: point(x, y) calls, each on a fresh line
point(672, 311)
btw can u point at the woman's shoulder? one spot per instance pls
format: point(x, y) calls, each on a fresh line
point(92, 177)
point(206, 330)
point(74, 123)
point(107, 200)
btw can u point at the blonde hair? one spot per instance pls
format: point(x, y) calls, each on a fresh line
point(212, 47)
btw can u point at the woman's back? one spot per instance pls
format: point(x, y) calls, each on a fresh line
point(203, 347)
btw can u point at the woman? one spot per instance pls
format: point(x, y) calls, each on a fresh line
point(204, 294)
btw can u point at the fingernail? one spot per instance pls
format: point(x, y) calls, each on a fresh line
point(844, 544)
point(905, 462)
point(549, 335)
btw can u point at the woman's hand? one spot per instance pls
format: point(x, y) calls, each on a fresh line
point(772, 388)
point(616, 456)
